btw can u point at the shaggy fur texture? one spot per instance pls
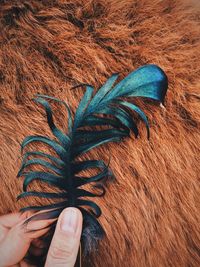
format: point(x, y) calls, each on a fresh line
point(151, 214)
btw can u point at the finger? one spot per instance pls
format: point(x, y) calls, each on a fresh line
point(25, 264)
point(30, 235)
point(37, 225)
point(10, 220)
point(38, 243)
point(37, 247)
point(35, 251)
point(3, 232)
point(65, 243)
point(17, 242)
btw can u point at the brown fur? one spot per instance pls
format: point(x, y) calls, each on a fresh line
point(151, 214)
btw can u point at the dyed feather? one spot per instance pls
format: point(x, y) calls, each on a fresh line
point(148, 81)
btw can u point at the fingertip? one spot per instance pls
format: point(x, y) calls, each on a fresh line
point(71, 220)
point(72, 210)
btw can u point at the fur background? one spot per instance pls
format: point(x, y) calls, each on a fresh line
point(151, 214)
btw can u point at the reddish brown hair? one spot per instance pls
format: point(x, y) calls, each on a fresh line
point(151, 214)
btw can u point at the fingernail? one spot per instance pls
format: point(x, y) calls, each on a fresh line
point(69, 220)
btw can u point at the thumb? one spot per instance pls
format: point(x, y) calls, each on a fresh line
point(66, 240)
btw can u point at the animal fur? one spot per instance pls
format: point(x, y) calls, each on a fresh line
point(151, 214)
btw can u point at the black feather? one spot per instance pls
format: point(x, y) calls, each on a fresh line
point(148, 81)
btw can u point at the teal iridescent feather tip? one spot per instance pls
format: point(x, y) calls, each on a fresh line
point(63, 170)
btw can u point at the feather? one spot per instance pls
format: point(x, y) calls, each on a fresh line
point(148, 81)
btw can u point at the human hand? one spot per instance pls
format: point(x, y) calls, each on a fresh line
point(15, 240)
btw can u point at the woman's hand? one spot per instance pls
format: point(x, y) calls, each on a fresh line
point(16, 240)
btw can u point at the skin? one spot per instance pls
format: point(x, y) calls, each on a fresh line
point(16, 240)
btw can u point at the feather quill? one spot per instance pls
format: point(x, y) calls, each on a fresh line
point(148, 81)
